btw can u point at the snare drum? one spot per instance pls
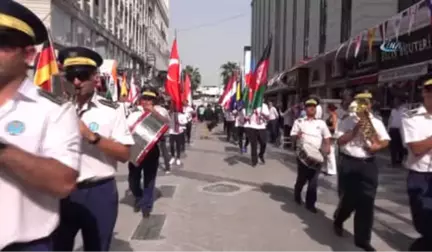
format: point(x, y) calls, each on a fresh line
point(310, 155)
point(146, 132)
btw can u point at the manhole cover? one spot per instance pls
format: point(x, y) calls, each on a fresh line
point(221, 188)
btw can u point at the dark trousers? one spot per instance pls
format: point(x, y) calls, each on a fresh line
point(273, 128)
point(359, 182)
point(163, 148)
point(175, 144)
point(44, 244)
point(419, 187)
point(188, 132)
point(240, 134)
point(92, 208)
point(287, 131)
point(183, 141)
point(147, 169)
point(256, 136)
point(224, 124)
point(397, 151)
point(230, 130)
point(307, 175)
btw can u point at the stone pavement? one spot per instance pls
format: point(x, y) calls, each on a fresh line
point(260, 215)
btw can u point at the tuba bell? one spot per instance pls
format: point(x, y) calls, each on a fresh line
point(360, 109)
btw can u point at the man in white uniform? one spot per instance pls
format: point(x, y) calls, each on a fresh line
point(359, 173)
point(416, 125)
point(92, 207)
point(314, 133)
point(255, 128)
point(273, 123)
point(189, 113)
point(397, 150)
point(39, 139)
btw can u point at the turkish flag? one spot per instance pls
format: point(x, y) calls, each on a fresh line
point(172, 85)
point(186, 96)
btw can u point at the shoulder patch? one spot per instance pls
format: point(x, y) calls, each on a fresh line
point(51, 97)
point(109, 103)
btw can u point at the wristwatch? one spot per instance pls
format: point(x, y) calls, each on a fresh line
point(96, 139)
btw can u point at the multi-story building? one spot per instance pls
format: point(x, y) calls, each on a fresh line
point(134, 32)
point(307, 34)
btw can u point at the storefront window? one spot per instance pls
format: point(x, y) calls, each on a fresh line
point(83, 34)
point(61, 25)
point(101, 45)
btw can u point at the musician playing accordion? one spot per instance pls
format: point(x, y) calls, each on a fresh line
point(149, 165)
point(313, 138)
point(360, 136)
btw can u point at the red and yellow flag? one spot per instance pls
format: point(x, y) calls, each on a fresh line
point(123, 86)
point(46, 67)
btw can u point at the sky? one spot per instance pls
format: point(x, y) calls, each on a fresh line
point(208, 47)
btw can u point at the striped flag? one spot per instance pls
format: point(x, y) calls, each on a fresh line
point(46, 67)
point(123, 86)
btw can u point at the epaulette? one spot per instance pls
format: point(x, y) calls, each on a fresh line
point(56, 99)
point(109, 103)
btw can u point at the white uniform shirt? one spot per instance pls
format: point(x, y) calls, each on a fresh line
point(355, 147)
point(256, 120)
point(273, 114)
point(239, 118)
point(229, 116)
point(396, 114)
point(313, 131)
point(109, 122)
point(319, 112)
point(188, 111)
point(416, 127)
point(182, 121)
point(44, 128)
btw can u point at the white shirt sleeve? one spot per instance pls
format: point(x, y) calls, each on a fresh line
point(411, 133)
point(381, 131)
point(325, 131)
point(295, 128)
point(121, 132)
point(342, 127)
point(265, 110)
point(63, 138)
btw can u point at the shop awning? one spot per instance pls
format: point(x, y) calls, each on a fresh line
point(404, 73)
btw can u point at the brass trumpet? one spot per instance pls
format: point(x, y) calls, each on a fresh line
point(362, 112)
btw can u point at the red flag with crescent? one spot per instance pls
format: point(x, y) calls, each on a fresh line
point(172, 84)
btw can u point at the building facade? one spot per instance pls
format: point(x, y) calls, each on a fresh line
point(133, 32)
point(308, 33)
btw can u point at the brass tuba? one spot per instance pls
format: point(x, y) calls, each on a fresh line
point(362, 112)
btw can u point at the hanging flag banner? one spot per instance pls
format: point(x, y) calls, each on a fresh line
point(348, 48)
point(109, 67)
point(371, 38)
point(358, 42)
point(396, 21)
point(383, 30)
point(412, 12)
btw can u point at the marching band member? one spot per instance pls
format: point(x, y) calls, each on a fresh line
point(159, 107)
point(332, 122)
point(39, 143)
point(314, 132)
point(359, 171)
point(239, 125)
point(149, 166)
point(92, 207)
point(416, 134)
point(256, 132)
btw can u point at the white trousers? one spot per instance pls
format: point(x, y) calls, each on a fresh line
point(330, 166)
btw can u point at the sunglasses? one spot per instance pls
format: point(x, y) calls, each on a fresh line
point(80, 75)
point(10, 40)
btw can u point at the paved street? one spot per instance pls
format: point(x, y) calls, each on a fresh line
point(260, 215)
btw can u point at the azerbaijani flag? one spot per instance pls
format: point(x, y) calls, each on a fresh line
point(46, 67)
point(258, 81)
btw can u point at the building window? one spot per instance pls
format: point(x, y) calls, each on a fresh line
point(294, 33)
point(306, 30)
point(346, 20)
point(404, 4)
point(323, 26)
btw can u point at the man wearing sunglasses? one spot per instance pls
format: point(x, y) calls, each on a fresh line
point(93, 206)
point(39, 139)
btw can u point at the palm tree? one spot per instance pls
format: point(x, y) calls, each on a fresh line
point(194, 74)
point(228, 69)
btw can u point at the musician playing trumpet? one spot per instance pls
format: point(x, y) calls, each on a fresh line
point(313, 137)
point(360, 136)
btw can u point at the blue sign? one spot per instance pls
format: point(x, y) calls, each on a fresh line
point(93, 127)
point(390, 46)
point(15, 128)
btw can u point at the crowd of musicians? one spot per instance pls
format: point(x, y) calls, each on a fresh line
point(58, 158)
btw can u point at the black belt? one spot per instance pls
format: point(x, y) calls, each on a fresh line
point(368, 159)
point(89, 183)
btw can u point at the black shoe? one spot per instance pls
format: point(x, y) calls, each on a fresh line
point(137, 206)
point(254, 164)
point(365, 247)
point(298, 200)
point(146, 214)
point(312, 209)
point(338, 229)
point(261, 158)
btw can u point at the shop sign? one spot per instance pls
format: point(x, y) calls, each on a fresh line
point(365, 64)
point(408, 49)
point(405, 72)
point(391, 46)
